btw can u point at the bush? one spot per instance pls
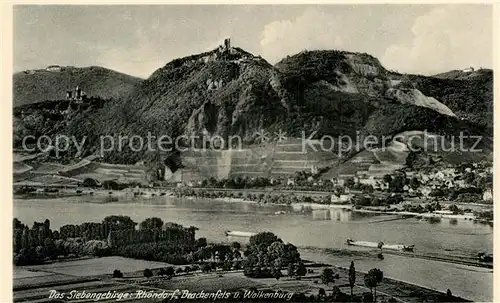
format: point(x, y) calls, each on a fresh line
point(148, 273)
point(169, 271)
point(117, 274)
point(179, 270)
point(89, 182)
point(367, 297)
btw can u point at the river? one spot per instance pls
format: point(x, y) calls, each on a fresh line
point(319, 228)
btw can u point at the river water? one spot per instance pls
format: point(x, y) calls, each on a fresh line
point(319, 228)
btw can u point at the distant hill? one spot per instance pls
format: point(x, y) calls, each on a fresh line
point(52, 83)
point(465, 75)
point(468, 95)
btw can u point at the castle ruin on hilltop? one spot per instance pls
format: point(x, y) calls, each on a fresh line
point(76, 95)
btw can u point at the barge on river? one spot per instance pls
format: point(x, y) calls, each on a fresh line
point(234, 233)
point(381, 245)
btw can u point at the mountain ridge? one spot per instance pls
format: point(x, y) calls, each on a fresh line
point(51, 83)
point(228, 91)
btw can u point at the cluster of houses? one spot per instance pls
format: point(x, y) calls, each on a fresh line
point(451, 178)
point(428, 181)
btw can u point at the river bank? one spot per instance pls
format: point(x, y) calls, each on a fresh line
point(303, 229)
point(109, 196)
point(371, 253)
point(437, 279)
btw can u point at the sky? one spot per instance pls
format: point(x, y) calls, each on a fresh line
point(137, 40)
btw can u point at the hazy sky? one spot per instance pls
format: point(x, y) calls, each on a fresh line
point(137, 40)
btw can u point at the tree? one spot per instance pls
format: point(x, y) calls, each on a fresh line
point(301, 269)
point(372, 279)
point(263, 239)
point(227, 265)
point(349, 182)
point(352, 276)
point(206, 268)
point(119, 222)
point(321, 293)
point(117, 274)
point(414, 183)
point(469, 177)
point(387, 179)
point(397, 184)
point(148, 273)
point(277, 273)
point(110, 185)
point(454, 208)
point(292, 270)
point(169, 271)
point(448, 292)
point(201, 242)
point(236, 245)
point(327, 276)
point(151, 223)
point(394, 199)
point(266, 251)
point(89, 182)
point(203, 253)
point(336, 294)
point(195, 267)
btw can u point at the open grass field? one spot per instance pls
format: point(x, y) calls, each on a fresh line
point(99, 266)
point(208, 283)
point(46, 280)
point(20, 273)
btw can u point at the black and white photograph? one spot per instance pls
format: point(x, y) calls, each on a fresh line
point(252, 153)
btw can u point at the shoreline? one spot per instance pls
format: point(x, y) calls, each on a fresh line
point(342, 252)
point(231, 200)
point(149, 193)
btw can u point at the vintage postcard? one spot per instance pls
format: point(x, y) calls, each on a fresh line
point(252, 153)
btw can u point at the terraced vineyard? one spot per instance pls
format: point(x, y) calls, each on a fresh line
point(266, 160)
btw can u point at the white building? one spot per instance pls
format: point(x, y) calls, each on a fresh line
point(426, 191)
point(340, 198)
point(440, 175)
point(370, 181)
point(53, 68)
point(314, 170)
point(443, 212)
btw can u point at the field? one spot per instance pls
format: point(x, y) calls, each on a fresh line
point(208, 283)
point(93, 276)
point(99, 266)
point(21, 273)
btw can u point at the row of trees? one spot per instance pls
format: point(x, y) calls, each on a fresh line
point(288, 198)
point(109, 184)
point(361, 200)
point(39, 243)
